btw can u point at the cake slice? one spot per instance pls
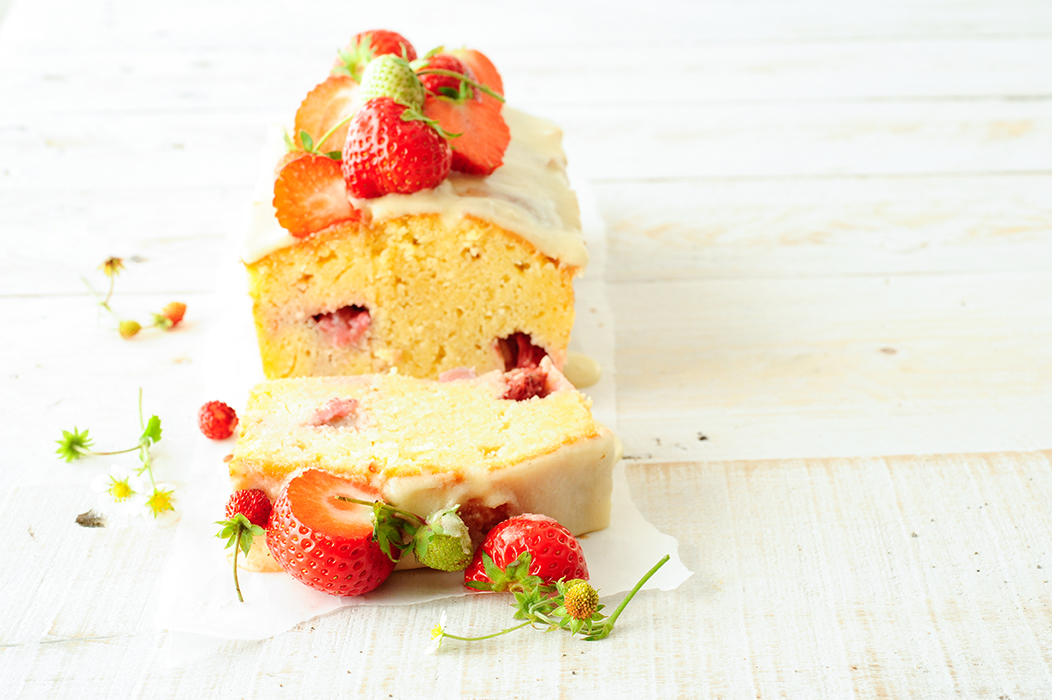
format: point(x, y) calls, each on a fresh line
point(497, 445)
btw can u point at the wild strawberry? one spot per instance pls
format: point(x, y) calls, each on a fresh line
point(391, 76)
point(554, 554)
point(251, 503)
point(324, 541)
point(366, 46)
point(174, 312)
point(324, 107)
point(310, 195)
point(580, 600)
point(482, 135)
point(392, 148)
point(247, 513)
point(216, 420)
point(444, 84)
point(129, 328)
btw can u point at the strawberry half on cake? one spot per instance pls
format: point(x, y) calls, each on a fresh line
point(415, 222)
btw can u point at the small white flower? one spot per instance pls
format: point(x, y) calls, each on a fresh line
point(158, 508)
point(437, 634)
point(119, 493)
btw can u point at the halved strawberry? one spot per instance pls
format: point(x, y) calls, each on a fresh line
point(331, 102)
point(324, 542)
point(310, 194)
point(483, 134)
point(483, 68)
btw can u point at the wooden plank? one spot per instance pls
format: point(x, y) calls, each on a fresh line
point(631, 144)
point(827, 366)
point(784, 227)
point(173, 240)
point(221, 79)
point(198, 24)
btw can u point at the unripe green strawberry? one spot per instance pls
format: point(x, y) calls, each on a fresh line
point(446, 553)
point(443, 543)
point(391, 76)
point(581, 600)
point(129, 328)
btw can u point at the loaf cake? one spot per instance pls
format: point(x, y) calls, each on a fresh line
point(497, 445)
point(475, 271)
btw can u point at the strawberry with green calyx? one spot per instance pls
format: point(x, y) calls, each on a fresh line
point(391, 149)
point(555, 554)
point(366, 46)
point(392, 76)
point(572, 606)
point(247, 513)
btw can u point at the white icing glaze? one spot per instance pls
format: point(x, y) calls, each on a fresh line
point(528, 195)
point(581, 370)
point(572, 484)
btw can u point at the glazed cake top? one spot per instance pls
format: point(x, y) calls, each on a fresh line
point(399, 426)
point(529, 195)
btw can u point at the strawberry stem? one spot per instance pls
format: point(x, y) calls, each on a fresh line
point(330, 132)
point(404, 513)
point(453, 74)
point(237, 546)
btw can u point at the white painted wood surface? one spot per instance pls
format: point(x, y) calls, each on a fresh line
point(830, 255)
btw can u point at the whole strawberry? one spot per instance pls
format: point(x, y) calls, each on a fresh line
point(129, 329)
point(366, 46)
point(554, 554)
point(247, 513)
point(174, 312)
point(325, 541)
point(216, 420)
point(392, 148)
point(391, 76)
point(444, 84)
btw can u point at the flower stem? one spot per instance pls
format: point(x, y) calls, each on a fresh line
point(488, 636)
point(608, 623)
point(93, 453)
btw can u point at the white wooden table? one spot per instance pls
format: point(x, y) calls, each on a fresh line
point(830, 264)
